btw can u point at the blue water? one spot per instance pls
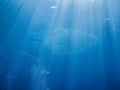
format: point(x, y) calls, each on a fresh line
point(59, 45)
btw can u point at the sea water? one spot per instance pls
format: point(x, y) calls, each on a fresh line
point(59, 45)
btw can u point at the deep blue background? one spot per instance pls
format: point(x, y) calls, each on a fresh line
point(23, 31)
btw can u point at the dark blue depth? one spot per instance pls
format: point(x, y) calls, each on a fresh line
point(59, 45)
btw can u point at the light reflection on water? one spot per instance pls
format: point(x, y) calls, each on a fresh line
point(59, 44)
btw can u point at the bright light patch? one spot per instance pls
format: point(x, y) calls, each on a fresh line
point(53, 7)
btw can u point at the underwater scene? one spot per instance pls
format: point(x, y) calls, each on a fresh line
point(59, 44)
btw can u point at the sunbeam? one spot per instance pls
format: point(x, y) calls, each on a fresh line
point(59, 45)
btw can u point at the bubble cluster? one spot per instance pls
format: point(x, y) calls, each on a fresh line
point(64, 40)
point(39, 77)
point(38, 71)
